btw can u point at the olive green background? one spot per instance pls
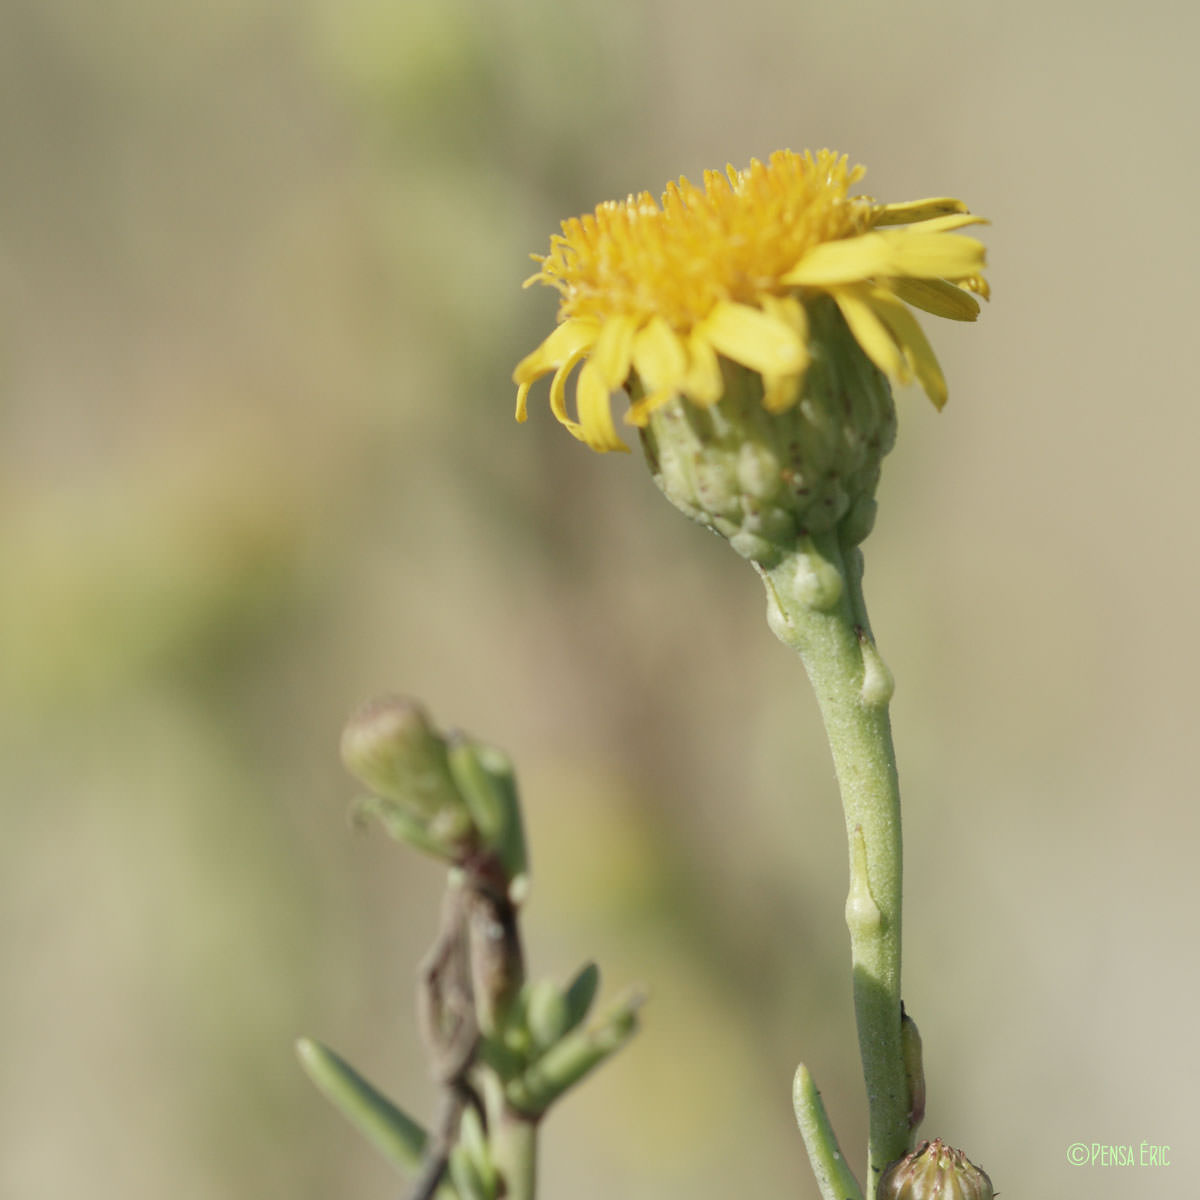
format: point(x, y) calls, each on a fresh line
point(259, 304)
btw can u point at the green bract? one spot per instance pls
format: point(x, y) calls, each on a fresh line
point(764, 480)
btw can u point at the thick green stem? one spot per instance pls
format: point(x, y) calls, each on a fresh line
point(815, 606)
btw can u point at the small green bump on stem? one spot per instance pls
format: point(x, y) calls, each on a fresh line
point(862, 913)
point(834, 1177)
point(878, 685)
point(817, 583)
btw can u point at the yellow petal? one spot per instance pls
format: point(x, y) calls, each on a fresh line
point(790, 311)
point(918, 210)
point(672, 299)
point(751, 337)
point(558, 392)
point(565, 342)
point(704, 383)
point(978, 285)
point(659, 357)
point(780, 391)
point(594, 400)
point(938, 297)
point(640, 410)
point(934, 255)
point(871, 333)
point(948, 223)
point(848, 261)
point(611, 353)
point(910, 337)
point(895, 253)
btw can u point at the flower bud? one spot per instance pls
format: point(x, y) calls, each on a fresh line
point(391, 747)
point(934, 1171)
point(766, 479)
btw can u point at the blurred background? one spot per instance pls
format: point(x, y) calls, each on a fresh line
point(259, 306)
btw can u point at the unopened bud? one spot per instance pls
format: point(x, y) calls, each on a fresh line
point(934, 1171)
point(391, 746)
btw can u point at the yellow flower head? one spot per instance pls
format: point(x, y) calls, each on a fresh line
point(664, 292)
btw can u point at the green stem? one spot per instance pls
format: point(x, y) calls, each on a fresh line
point(815, 606)
point(513, 1138)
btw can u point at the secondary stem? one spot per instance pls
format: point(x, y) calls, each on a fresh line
point(815, 606)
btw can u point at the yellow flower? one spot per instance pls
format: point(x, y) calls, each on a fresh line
point(663, 293)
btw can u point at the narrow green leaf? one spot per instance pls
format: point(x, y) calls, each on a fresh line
point(834, 1177)
point(546, 1013)
point(476, 786)
point(473, 1142)
point(581, 992)
point(485, 780)
point(465, 1176)
point(396, 1135)
point(399, 824)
